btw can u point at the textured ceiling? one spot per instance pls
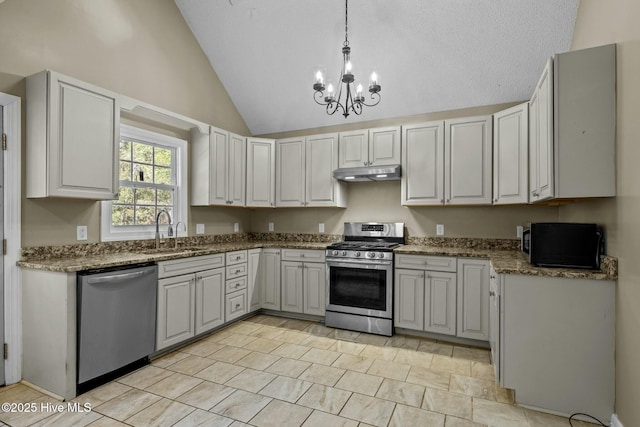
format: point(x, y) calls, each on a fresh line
point(431, 55)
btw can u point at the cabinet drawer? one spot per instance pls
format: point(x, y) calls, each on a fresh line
point(237, 270)
point(236, 284)
point(235, 305)
point(189, 265)
point(306, 255)
point(426, 262)
point(236, 257)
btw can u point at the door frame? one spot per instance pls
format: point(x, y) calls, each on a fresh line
point(12, 232)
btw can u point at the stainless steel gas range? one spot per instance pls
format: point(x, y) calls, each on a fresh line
point(360, 277)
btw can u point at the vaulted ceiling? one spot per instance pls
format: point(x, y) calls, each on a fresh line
point(431, 55)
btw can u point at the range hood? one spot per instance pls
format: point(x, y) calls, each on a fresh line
point(368, 173)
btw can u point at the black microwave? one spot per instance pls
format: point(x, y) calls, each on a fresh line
point(564, 244)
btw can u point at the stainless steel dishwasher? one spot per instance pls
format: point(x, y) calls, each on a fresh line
point(116, 322)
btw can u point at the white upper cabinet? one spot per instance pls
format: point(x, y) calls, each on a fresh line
point(369, 147)
point(423, 164)
point(511, 155)
point(572, 126)
point(304, 172)
point(467, 157)
point(72, 138)
point(218, 168)
point(261, 173)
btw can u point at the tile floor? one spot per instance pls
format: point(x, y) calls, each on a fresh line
point(271, 371)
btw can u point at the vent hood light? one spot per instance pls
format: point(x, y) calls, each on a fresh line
point(368, 173)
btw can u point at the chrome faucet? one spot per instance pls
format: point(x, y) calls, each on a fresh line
point(177, 229)
point(169, 230)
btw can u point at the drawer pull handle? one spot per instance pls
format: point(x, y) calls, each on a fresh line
point(238, 257)
point(302, 255)
point(237, 306)
point(238, 271)
point(237, 285)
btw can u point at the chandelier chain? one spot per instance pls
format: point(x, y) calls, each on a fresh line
point(346, 21)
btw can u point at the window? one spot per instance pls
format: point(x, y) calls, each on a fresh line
point(152, 172)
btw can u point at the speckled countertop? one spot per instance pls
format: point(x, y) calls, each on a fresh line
point(503, 253)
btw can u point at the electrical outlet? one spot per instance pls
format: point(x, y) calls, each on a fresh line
point(81, 232)
point(270, 226)
point(321, 228)
point(236, 227)
point(199, 228)
point(440, 230)
point(519, 231)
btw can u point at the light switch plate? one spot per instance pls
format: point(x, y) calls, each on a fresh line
point(321, 228)
point(440, 230)
point(199, 228)
point(236, 227)
point(270, 226)
point(81, 232)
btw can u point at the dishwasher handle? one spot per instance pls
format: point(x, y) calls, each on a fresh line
point(116, 278)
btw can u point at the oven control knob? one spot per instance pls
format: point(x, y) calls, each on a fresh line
point(335, 253)
point(380, 255)
point(344, 253)
point(357, 254)
point(371, 254)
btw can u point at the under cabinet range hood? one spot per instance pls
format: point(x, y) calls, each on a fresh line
point(368, 173)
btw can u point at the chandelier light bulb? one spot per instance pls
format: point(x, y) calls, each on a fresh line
point(330, 89)
point(374, 78)
point(319, 77)
point(347, 68)
point(359, 90)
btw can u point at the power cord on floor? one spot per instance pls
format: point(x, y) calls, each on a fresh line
point(586, 415)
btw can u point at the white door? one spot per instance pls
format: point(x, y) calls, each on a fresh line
point(176, 304)
point(290, 172)
point(423, 164)
point(210, 287)
point(511, 155)
point(473, 299)
point(409, 299)
point(2, 379)
point(321, 160)
point(237, 169)
point(314, 288)
point(384, 146)
point(353, 149)
point(291, 286)
point(261, 174)
point(440, 302)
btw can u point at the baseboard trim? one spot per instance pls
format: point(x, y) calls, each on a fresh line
point(615, 422)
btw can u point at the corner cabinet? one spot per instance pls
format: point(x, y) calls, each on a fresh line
point(511, 155)
point(218, 168)
point(261, 173)
point(72, 138)
point(370, 147)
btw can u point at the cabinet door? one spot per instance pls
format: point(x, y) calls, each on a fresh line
point(353, 149)
point(218, 161)
point(210, 287)
point(473, 299)
point(409, 299)
point(292, 286)
point(541, 165)
point(467, 157)
point(423, 164)
point(384, 146)
point(255, 267)
point(176, 305)
point(321, 160)
point(511, 155)
point(314, 288)
point(236, 170)
point(290, 172)
point(83, 137)
point(261, 173)
point(440, 302)
point(270, 280)
point(494, 323)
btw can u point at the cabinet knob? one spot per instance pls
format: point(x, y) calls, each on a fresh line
point(302, 255)
point(364, 163)
point(238, 257)
point(237, 305)
point(237, 285)
point(237, 271)
point(492, 294)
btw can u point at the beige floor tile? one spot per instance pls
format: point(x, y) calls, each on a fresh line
point(498, 414)
point(219, 335)
point(288, 367)
point(285, 388)
point(483, 371)
point(219, 372)
point(504, 395)
point(348, 347)
point(229, 354)
point(204, 419)
point(401, 341)
point(127, 404)
point(473, 387)
point(237, 340)
point(241, 405)
point(262, 345)
point(144, 377)
point(368, 409)
point(169, 359)
point(344, 335)
point(321, 374)
point(429, 378)
point(360, 383)
point(444, 402)
point(26, 418)
point(239, 424)
point(202, 348)
point(372, 339)
point(251, 380)
point(293, 337)
point(206, 395)
point(292, 351)
point(245, 328)
point(107, 422)
point(267, 332)
point(401, 392)
point(409, 416)
point(323, 398)
point(459, 422)
point(191, 365)
point(474, 354)
point(268, 320)
point(66, 418)
point(436, 348)
point(297, 325)
point(452, 365)
point(19, 393)
point(257, 360)
point(318, 355)
point(377, 352)
point(322, 419)
point(101, 394)
point(319, 342)
point(173, 386)
point(163, 413)
point(319, 330)
point(393, 370)
point(353, 363)
point(414, 358)
point(281, 414)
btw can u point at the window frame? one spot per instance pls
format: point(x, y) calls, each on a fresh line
point(109, 232)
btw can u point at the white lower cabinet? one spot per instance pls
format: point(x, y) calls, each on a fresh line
point(209, 293)
point(303, 283)
point(236, 296)
point(440, 302)
point(270, 279)
point(291, 286)
point(473, 299)
point(253, 278)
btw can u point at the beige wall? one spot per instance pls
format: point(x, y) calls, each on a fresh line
point(142, 49)
point(601, 23)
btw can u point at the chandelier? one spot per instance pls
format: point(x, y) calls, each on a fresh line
point(354, 99)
